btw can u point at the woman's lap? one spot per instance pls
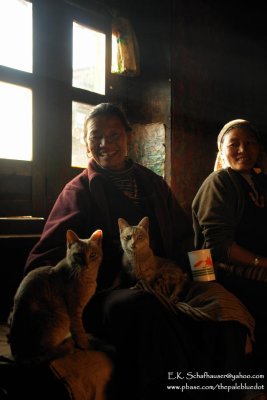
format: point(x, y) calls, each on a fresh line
point(151, 342)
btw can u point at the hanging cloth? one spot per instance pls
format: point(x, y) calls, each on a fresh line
point(125, 51)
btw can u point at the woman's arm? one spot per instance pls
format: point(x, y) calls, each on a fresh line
point(216, 210)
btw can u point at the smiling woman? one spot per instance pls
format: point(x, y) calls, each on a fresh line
point(113, 186)
point(230, 218)
point(239, 145)
point(217, 211)
point(106, 136)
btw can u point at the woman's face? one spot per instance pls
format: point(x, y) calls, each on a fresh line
point(107, 140)
point(240, 149)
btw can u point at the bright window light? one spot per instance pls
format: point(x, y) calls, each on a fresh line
point(89, 53)
point(78, 154)
point(15, 122)
point(16, 34)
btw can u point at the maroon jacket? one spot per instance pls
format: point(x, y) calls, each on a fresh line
point(91, 201)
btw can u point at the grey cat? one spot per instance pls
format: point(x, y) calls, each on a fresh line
point(46, 320)
point(139, 261)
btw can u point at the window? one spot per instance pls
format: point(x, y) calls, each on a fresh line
point(16, 101)
point(16, 34)
point(48, 83)
point(16, 122)
point(88, 73)
point(88, 59)
point(78, 153)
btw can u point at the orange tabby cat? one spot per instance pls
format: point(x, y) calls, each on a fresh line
point(46, 321)
point(164, 276)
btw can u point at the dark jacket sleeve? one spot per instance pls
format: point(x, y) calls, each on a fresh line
point(71, 211)
point(216, 211)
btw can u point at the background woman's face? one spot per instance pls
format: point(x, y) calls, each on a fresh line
point(107, 140)
point(240, 149)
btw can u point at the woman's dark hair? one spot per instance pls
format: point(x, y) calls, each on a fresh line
point(107, 110)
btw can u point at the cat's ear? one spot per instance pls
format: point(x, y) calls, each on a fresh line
point(97, 236)
point(122, 224)
point(71, 237)
point(144, 223)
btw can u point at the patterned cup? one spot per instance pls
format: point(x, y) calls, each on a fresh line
point(201, 265)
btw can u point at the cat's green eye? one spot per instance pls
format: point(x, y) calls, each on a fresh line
point(128, 237)
point(140, 237)
point(93, 255)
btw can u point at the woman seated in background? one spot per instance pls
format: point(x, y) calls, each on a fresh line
point(230, 218)
point(149, 340)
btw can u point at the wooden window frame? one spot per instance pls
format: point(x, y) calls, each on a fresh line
point(51, 85)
